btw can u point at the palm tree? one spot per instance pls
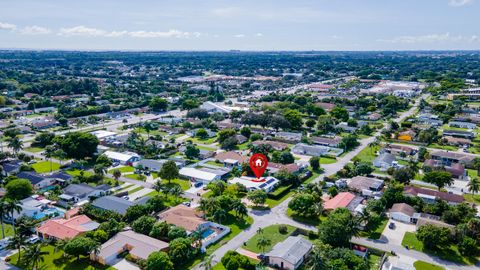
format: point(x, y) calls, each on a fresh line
point(48, 153)
point(11, 207)
point(175, 191)
point(117, 174)
point(263, 242)
point(318, 208)
point(17, 242)
point(474, 185)
point(260, 230)
point(99, 169)
point(60, 245)
point(60, 154)
point(196, 237)
point(373, 144)
point(207, 263)
point(35, 255)
point(220, 215)
point(158, 186)
point(15, 144)
point(315, 260)
point(3, 213)
point(240, 208)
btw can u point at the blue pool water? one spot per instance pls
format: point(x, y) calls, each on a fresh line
point(207, 232)
point(48, 211)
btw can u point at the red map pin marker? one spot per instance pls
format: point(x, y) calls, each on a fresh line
point(258, 164)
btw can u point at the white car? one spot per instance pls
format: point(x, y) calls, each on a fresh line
point(33, 239)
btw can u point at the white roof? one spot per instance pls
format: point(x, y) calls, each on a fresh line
point(198, 174)
point(249, 184)
point(119, 156)
point(100, 134)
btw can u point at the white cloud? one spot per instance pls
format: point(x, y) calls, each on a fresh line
point(259, 34)
point(239, 36)
point(432, 38)
point(168, 34)
point(82, 31)
point(7, 26)
point(35, 30)
point(459, 3)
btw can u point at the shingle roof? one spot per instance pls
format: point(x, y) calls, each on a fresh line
point(402, 208)
point(182, 216)
point(414, 191)
point(113, 203)
point(342, 199)
point(292, 250)
point(33, 177)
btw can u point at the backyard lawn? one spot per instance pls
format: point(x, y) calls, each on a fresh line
point(271, 233)
point(76, 172)
point(34, 149)
point(421, 265)
point(368, 153)
point(44, 167)
point(203, 141)
point(450, 253)
point(55, 261)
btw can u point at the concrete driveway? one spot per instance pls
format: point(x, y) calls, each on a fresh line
point(395, 236)
point(123, 264)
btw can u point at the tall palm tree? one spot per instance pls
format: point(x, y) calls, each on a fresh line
point(11, 207)
point(15, 144)
point(474, 185)
point(373, 144)
point(196, 237)
point(35, 255)
point(3, 214)
point(116, 175)
point(175, 191)
point(260, 230)
point(240, 209)
point(263, 242)
point(48, 153)
point(318, 208)
point(207, 263)
point(220, 215)
point(17, 242)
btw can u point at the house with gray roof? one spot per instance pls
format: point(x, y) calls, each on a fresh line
point(289, 254)
point(384, 161)
point(116, 204)
point(461, 124)
point(76, 193)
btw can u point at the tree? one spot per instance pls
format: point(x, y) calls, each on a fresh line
point(104, 160)
point(143, 225)
point(473, 185)
point(316, 260)
point(43, 139)
point(258, 197)
point(303, 204)
point(158, 186)
point(338, 228)
point(363, 168)
point(263, 242)
point(315, 163)
point(158, 104)
point(18, 189)
point(294, 118)
point(468, 247)
point(117, 174)
point(207, 262)
point(181, 251)
point(15, 144)
point(3, 215)
point(197, 113)
point(246, 131)
point(433, 237)
point(175, 191)
point(340, 113)
point(229, 144)
point(239, 208)
point(349, 142)
point(191, 151)
point(325, 124)
point(217, 187)
point(438, 178)
point(403, 175)
point(201, 133)
point(35, 255)
point(310, 123)
point(224, 134)
point(169, 171)
point(134, 212)
point(80, 246)
point(175, 232)
point(78, 145)
point(160, 230)
point(18, 241)
point(159, 260)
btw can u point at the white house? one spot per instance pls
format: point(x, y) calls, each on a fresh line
point(289, 254)
point(268, 185)
point(123, 158)
point(402, 212)
point(196, 175)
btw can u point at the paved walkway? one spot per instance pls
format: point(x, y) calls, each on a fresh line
point(132, 197)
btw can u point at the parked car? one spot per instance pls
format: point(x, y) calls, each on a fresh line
point(198, 184)
point(33, 239)
point(186, 204)
point(391, 226)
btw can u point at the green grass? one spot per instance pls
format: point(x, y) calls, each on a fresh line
point(184, 184)
point(219, 266)
point(271, 233)
point(444, 147)
point(450, 253)
point(327, 160)
point(134, 190)
point(213, 163)
point(123, 169)
point(55, 261)
point(368, 153)
point(376, 229)
point(374, 261)
point(76, 172)
point(205, 148)
point(311, 221)
point(34, 149)
point(243, 146)
point(133, 176)
point(421, 265)
point(44, 167)
point(203, 141)
point(8, 230)
point(472, 198)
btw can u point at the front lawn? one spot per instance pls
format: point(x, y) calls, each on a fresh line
point(45, 167)
point(375, 229)
point(8, 230)
point(327, 160)
point(368, 154)
point(184, 184)
point(271, 233)
point(311, 221)
point(55, 261)
point(76, 172)
point(472, 198)
point(34, 149)
point(450, 253)
point(123, 169)
point(202, 141)
point(134, 176)
point(421, 265)
point(134, 190)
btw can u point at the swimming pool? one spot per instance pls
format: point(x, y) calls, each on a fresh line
point(49, 211)
point(207, 233)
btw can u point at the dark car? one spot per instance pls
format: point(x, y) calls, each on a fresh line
point(198, 184)
point(391, 226)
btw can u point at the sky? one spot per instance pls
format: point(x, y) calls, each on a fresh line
point(256, 25)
